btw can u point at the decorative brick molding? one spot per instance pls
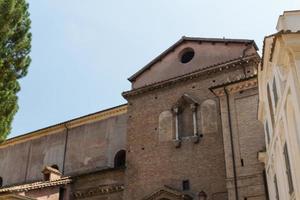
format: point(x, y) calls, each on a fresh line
point(236, 86)
point(100, 190)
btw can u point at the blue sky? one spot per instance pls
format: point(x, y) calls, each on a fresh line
point(84, 51)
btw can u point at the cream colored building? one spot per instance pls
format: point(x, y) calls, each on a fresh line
point(279, 107)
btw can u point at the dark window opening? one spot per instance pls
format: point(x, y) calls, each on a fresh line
point(47, 177)
point(120, 159)
point(242, 162)
point(185, 185)
point(55, 167)
point(187, 55)
point(1, 181)
point(61, 193)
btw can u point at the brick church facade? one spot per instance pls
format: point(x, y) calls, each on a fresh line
point(188, 131)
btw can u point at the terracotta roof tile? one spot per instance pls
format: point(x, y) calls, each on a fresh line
point(36, 185)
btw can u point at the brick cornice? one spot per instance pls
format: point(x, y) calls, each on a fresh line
point(100, 190)
point(205, 71)
point(237, 86)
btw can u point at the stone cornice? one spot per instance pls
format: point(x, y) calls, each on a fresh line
point(205, 71)
point(94, 117)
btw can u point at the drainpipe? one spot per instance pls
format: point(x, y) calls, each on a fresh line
point(232, 146)
point(65, 150)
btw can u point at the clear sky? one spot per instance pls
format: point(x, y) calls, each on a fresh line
point(84, 51)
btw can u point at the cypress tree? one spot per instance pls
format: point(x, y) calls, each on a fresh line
point(15, 45)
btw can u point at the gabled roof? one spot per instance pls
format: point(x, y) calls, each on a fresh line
point(184, 39)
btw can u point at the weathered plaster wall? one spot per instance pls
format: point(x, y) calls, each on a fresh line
point(206, 54)
point(90, 147)
point(93, 146)
point(13, 163)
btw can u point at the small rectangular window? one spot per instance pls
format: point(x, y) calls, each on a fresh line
point(185, 185)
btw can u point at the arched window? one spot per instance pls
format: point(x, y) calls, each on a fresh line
point(120, 159)
point(185, 117)
point(1, 181)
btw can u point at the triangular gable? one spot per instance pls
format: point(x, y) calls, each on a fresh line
point(168, 193)
point(208, 51)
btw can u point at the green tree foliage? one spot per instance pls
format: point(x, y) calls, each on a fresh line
point(15, 45)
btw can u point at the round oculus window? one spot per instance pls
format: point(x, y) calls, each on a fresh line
point(187, 55)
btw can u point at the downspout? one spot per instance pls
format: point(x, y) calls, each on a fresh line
point(232, 146)
point(243, 56)
point(65, 149)
point(27, 162)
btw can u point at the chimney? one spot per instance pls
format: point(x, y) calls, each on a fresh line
point(289, 20)
point(51, 174)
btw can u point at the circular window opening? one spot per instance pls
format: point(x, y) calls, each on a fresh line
point(187, 55)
